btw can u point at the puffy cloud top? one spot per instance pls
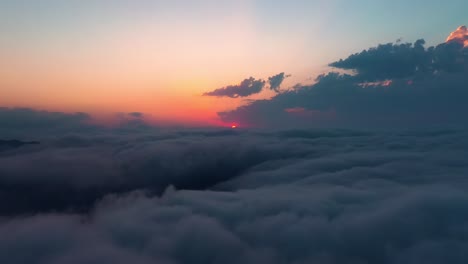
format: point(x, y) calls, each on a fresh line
point(460, 36)
point(392, 86)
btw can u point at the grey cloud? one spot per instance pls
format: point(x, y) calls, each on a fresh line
point(276, 81)
point(295, 196)
point(246, 88)
point(393, 86)
point(21, 121)
point(128, 122)
point(12, 144)
point(136, 114)
point(32, 124)
point(348, 197)
point(249, 87)
point(388, 61)
point(93, 166)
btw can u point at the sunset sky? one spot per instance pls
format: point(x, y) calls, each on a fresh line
point(233, 131)
point(160, 57)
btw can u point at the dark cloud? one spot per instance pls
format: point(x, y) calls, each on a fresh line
point(393, 86)
point(246, 88)
point(32, 124)
point(276, 81)
point(128, 122)
point(11, 144)
point(297, 196)
point(392, 61)
point(92, 166)
point(19, 121)
point(388, 61)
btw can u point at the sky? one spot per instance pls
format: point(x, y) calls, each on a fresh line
point(161, 57)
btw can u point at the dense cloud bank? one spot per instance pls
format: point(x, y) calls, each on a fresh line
point(31, 124)
point(26, 122)
point(295, 196)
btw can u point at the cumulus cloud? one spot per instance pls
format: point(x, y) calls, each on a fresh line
point(392, 86)
point(387, 61)
point(276, 81)
point(459, 36)
point(246, 88)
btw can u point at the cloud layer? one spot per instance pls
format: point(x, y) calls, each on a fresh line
point(295, 196)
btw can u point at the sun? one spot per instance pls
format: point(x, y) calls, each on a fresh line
point(234, 126)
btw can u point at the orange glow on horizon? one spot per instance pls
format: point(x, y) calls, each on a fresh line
point(143, 65)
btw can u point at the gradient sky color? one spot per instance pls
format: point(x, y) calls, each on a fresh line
point(159, 57)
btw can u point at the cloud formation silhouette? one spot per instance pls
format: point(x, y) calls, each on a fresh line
point(17, 121)
point(249, 87)
point(388, 61)
point(276, 81)
point(33, 124)
point(392, 86)
point(246, 88)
